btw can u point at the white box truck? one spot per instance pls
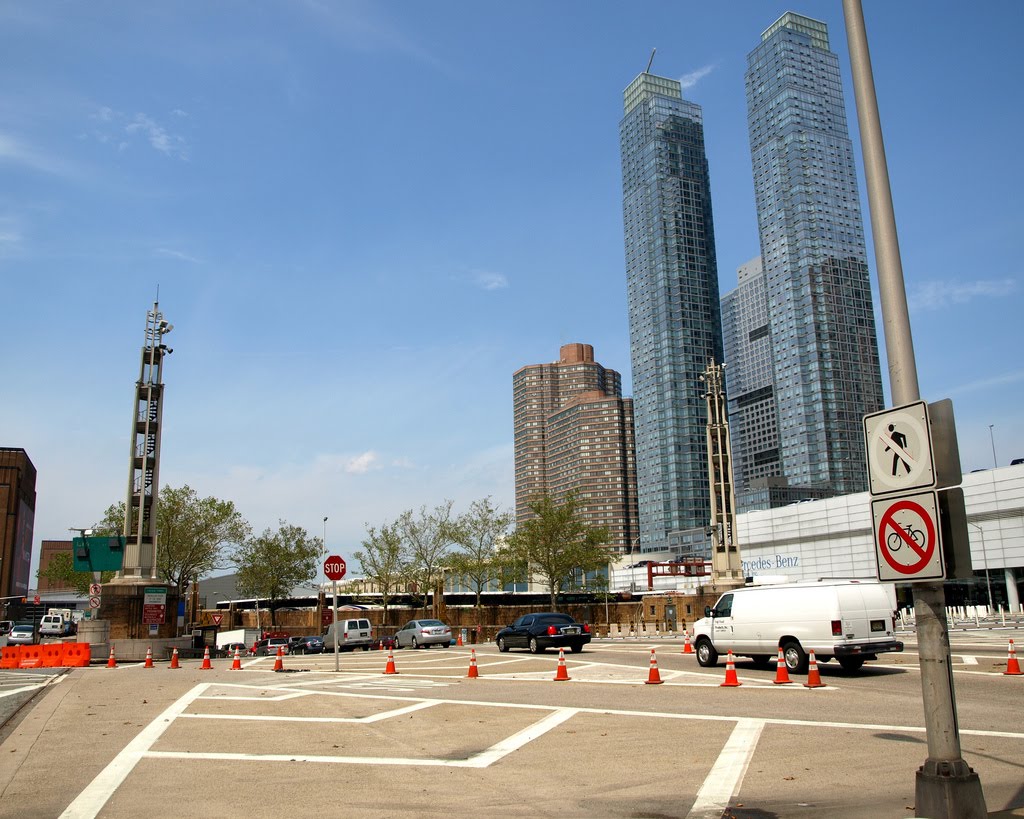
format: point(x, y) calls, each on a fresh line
point(849, 620)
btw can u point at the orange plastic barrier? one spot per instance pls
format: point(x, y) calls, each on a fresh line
point(11, 656)
point(31, 657)
point(52, 654)
point(76, 655)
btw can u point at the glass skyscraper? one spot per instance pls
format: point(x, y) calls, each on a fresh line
point(820, 320)
point(674, 319)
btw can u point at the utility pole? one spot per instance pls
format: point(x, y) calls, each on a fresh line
point(946, 786)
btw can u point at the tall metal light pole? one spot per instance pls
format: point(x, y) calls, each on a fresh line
point(992, 438)
point(946, 787)
point(984, 554)
point(323, 547)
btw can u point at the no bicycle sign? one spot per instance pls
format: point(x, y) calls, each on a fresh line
point(907, 538)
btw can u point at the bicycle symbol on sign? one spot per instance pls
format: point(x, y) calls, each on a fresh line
point(895, 540)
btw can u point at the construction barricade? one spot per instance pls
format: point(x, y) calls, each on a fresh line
point(11, 656)
point(52, 655)
point(31, 657)
point(76, 655)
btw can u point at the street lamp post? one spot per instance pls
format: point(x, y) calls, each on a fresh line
point(984, 554)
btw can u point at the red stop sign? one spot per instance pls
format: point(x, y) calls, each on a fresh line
point(334, 567)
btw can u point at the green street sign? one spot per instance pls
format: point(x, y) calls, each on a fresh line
point(98, 554)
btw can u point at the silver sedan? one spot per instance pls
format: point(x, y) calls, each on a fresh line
point(425, 633)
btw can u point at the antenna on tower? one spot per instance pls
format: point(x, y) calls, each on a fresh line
point(650, 61)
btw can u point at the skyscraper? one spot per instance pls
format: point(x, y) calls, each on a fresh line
point(820, 321)
point(574, 432)
point(674, 321)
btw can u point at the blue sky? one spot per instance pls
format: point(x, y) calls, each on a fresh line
point(363, 217)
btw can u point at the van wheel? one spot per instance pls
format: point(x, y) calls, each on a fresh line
point(707, 657)
point(851, 663)
point(796, 659)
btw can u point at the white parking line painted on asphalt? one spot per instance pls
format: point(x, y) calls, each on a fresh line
point(726, 775)
point(968, 659)
point(483, 759)
point(98, 792)
point(397, 712)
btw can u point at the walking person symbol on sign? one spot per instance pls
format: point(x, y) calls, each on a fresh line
point(899, 449)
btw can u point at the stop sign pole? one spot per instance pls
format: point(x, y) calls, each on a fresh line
point(334, 570)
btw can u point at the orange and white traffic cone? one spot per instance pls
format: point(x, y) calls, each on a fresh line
point(781, 672)
point(813, 675)
point(562, 673)
point(174, 659)
point(473, 673)
point(236, 664)
point(687, 648)
point(458, 640)
point(731, 680)
point(206, 666)
point(111, 663)
point(390, 667)
point(279, 659)
point(149, 658)
point(654, 678)
point(1012, 666)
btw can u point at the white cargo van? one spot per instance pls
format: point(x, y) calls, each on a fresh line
point(850, 620)
point(352, 634)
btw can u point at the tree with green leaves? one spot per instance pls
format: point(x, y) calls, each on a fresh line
point(193, 534)
point(272, 564)
point(60, 572)
point(556, 544)
point(477, 535)
point(426, 542)
point(382, 560)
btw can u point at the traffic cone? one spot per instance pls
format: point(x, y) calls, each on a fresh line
point(654, 678)
point(390, 667)
point(687, 648)
point(562, 673)
point(149, 658)
point(174, 659)
point(731, 680)
point(1012, 666)
point(813, 676)
point(206, 666)
point(473, 673)
point(781, 672)
point(236, 664)
point(279, 660)
point(111, 663)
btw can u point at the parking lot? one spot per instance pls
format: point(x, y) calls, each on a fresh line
point(429, 741)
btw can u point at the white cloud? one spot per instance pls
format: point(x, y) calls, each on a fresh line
point(694, 77)
point(112, 126)
point(177, 254)
point(159, 138)
point(361, 464)
point(16, 152)
point(986, 384)
point(937, 295)
point(487, 280)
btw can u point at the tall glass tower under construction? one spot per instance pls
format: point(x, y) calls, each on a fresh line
point(824, 350)
point(674, 321)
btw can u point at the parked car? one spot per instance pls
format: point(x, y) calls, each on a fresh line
point(21, 635)
point(425, 633)
point(275, 643)
point(229, 649)
point(307, 645)
point(54, 625)
point(538, 632)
